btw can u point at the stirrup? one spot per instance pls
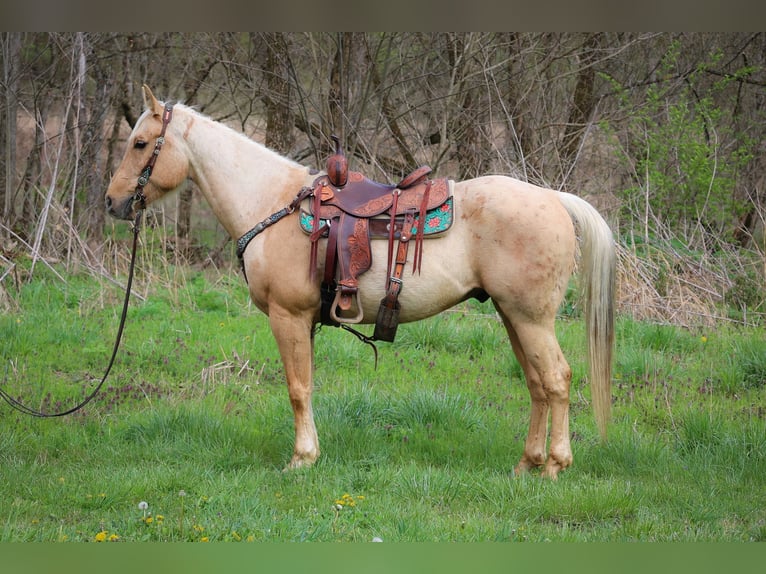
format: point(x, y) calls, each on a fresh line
point(336, 304)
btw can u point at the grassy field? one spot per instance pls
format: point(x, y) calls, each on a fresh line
point(189, 437)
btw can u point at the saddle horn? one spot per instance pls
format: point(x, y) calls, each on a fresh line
point(337, 165)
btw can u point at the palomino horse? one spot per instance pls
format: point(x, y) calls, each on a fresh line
point(510, 240)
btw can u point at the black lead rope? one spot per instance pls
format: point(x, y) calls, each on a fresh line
point(139, 199)
point(16, 404)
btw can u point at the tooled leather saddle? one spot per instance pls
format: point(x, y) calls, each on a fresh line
point(350, 210)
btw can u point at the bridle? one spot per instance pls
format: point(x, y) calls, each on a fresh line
point(140, 199)
point(146, 173)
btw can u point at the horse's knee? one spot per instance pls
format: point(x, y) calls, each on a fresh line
point(556, 387)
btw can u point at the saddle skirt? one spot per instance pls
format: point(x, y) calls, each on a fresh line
point(353, 215)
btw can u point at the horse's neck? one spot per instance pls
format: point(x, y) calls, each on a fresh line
point(243, 181)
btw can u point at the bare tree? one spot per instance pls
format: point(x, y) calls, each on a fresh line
point(546, 107)
point(583, 99)
point(10, 43)
point(277, 95)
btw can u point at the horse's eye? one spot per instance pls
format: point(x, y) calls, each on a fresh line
point(140, 144)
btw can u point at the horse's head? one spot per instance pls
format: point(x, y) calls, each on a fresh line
point(167, 174)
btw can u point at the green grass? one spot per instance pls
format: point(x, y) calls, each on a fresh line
point(420, 449)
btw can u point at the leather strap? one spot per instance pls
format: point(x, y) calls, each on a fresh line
point(392, 230)
point(418, 257)
point(146, 173)
point(395, 279)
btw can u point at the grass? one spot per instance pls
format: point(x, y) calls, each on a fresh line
point(196, 423)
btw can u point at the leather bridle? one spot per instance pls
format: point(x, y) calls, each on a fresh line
point(140, 198)
point(146, 173)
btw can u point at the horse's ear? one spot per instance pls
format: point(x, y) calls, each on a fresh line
point(150, 102)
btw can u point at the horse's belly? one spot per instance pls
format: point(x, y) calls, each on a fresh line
point(446, 277)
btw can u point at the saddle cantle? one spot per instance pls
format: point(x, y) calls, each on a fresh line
point(350, 210)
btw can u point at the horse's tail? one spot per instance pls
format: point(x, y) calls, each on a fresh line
point(597, 268)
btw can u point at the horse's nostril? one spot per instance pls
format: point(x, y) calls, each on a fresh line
point(108, 202)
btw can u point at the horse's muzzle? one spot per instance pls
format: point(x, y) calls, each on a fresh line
point(122, 210)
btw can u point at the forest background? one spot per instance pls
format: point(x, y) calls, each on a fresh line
point(663, 132)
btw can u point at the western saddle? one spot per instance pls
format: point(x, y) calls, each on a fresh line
point(350, 210)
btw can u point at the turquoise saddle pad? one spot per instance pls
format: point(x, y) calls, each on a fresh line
point(437, 220)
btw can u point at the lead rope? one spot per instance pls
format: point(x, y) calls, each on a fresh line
point(16, 404)
point(140, 199)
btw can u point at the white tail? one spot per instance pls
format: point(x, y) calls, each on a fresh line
point(597, 268)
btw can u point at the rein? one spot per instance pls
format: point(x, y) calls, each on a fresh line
point(140, 198)
point(21, 407)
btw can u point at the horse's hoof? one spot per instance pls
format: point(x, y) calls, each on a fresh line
point(299, 462)
point(550, 473)
point(526, 464)
point(553, 467)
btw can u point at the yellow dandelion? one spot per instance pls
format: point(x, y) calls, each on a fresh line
point(101, 536)
point(347, 500)
point(148, 519)
point(204, 539)
point(160, 518)
point(114, 538)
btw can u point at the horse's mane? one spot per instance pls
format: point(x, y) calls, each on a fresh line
point(198, 114)
point(180, 106)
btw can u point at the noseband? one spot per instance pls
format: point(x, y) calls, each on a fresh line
point(146, 173)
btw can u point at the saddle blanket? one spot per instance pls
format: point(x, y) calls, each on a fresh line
point(437, 220)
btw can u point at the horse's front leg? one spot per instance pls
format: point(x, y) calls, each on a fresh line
point(295, 339)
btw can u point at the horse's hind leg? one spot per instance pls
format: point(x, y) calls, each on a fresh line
point(534, 447)
point(548, 378)
point(295, 339)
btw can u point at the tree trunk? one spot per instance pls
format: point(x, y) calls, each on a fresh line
point(279, 118)
point(195, 75)
point(464, 127)
point(11, 49)
point(523, 139)
point(337, 94)
point(390, 114)
point(583, 101)
point(183, 225)
point(94, 180)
